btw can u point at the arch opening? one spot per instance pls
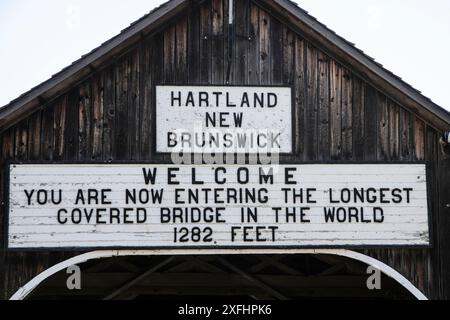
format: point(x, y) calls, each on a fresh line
point(202, 274)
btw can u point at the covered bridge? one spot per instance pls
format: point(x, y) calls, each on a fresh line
point(346, 109)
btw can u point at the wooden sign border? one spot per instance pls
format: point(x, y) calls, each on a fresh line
point(216, 249)
point(293, 118)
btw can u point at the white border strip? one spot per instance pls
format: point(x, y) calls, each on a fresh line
point(23, 292)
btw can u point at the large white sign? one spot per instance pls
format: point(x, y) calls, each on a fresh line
point(166, 206)
point(223, 119)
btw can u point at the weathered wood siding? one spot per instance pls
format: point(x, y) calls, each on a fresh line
point(339, 117)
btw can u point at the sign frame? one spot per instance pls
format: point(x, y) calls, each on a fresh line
point(154, 113)
point(216, 249)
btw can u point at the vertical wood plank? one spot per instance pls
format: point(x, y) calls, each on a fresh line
point(242, 39)
point(394, 122)
point(170, 54)
point(34, 145)
point(324, 108)
point(194, 40)
point(205, 47)
point(146, 102)
point(358, 119)
point(71, 125)
point(383, 133)
point(157, 76)
point(264, 47)
point(419, 139)
point(47, 135)
point(405, 135)
point(109, 114)
point(229, 43)
point(21, 141)
point(122, 73)
point(59, 127)
point(276, 54)
point(288, 57)
point(133, 105)
point(312, 101)
point(347, 115)
point(8, 145)
point(218, 42)
point(371, 123)
point(181, 50)
point(254, 51)
point(335, 110)
point(97, 117)
point(84, 128)
point(300, 95)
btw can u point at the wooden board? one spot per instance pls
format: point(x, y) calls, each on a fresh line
point(98, 206)
point(194, 119)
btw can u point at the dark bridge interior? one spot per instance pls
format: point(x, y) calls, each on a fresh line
point(219, 278)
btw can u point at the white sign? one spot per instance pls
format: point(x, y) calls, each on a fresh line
point(167, 206)
point(223, 119)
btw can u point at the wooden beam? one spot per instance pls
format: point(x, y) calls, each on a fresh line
point(182, 267)
point(252, 279)
point(98, 267)
point(263, 264)
point(281, 266)
point(333, 270)
point(207, 266)
point(138, 279)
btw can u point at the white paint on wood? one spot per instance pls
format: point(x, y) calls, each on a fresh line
point(27, 289)
point(393, 211)
point(241, 123)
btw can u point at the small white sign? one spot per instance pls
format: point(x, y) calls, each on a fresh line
point(168, 206)
point(210, 119)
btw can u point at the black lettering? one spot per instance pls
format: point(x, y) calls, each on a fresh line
point(149, 175)
point(178, 98)
point(238, 117)
point(223, 119)
point(171, 175)
point(229, 103)
point(265, 178)
point(141, 215)
point(29, 195)
point(329, 214)
point(172, 140)
point(288, 176)
point(245, 101)
point(243, 175)
point(211, 120)
point(272, 100)
point(216, 173)
point(203, 99)
point(60, 219)
point(378, 215)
